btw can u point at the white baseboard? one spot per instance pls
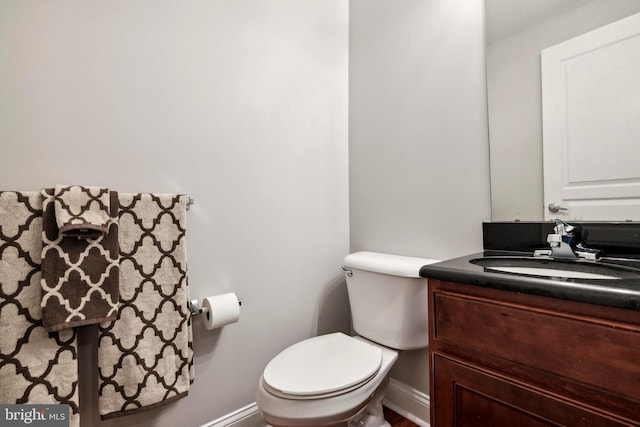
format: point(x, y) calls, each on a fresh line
point(412, 404)
point(248, 416)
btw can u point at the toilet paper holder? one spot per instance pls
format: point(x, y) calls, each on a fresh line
point(196, 308)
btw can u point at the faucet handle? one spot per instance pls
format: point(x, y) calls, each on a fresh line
point(587, 253)
point(562, 228)
point(554, 240)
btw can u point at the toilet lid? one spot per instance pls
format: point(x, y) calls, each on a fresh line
point(323, 365)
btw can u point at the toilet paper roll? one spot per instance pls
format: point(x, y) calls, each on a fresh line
point(220, 310)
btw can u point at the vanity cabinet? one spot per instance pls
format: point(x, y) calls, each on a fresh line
point(503, 358)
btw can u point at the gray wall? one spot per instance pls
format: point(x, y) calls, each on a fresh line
point(241, 103)
point(515, 105)
point(419, 159)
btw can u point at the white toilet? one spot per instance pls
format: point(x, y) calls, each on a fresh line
point(335, 378)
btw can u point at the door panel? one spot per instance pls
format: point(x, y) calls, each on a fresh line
point(591, 124)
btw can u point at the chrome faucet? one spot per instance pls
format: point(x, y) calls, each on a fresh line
point(562, 240)
point(565, 242)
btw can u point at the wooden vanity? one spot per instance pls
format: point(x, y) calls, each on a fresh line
point(500, 358)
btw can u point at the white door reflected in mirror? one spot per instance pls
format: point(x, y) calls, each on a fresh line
point(591, 131)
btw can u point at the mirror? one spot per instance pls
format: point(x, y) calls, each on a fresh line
point(516, 32)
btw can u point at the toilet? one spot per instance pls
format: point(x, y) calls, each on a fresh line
point(337, 379)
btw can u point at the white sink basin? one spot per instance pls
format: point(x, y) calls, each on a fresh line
point(552, 272)
point(557, 269)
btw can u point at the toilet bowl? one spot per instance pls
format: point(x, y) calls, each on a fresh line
point(336, 378)
point(322, 400)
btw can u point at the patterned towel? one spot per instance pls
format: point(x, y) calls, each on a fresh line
point(145, 356)
point(82, 211)
point(80, 277)
point(35, 367)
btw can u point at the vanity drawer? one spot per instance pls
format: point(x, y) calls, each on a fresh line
point(557, 350)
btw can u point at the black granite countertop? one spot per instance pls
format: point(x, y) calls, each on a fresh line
point(623, 292)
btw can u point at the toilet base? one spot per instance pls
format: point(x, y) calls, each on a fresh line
point(373, 414)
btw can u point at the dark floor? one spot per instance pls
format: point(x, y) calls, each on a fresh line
point(396, 420)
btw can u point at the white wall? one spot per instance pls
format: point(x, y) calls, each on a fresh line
point(419, 159)
point(515, 105)
point(241, 103)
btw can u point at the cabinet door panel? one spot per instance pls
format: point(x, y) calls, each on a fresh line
point(596, 354)
point(479, 410)
point(467, 396)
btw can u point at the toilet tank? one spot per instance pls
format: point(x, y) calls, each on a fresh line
point(388, 298)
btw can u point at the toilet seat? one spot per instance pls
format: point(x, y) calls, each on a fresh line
point(324, 366)
point(287, 411)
